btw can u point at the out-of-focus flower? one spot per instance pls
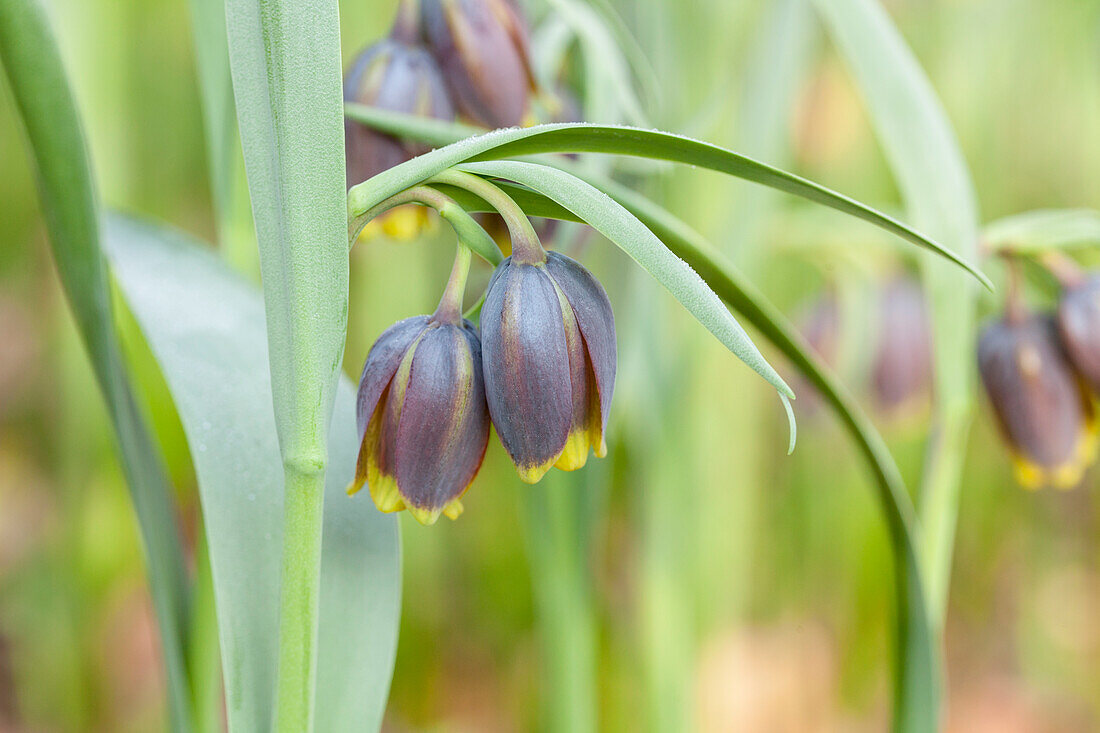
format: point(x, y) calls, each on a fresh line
point(818, 321)
point(548, 337)
point(482, 49)
point(423, 422)
point(1044, 412)
point(902, 368)
point(395, 75)
point(1079, 327)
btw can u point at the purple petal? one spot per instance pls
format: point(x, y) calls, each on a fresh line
point(1038, 401)
point(382, 362)
point(480, 59)
point(526, 361)
point(1079, 323)
point(444, 425)
point(595, 319)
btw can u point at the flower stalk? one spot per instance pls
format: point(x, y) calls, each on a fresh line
point(450, 305)
point(526, 247)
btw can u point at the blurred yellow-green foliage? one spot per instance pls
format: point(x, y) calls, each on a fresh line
point(760, 583)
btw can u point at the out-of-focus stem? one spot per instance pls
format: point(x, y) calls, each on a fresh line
point(558, 540)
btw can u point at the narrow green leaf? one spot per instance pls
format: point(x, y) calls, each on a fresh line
point(285, 60)
point(286, 76)
point(621, 227)
point(1045, 229)
point(428, 130)
point(586, 138)
point(219, 121)
point(205, 326)
point(33, 64)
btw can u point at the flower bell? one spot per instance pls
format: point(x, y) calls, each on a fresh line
point(1043, 411)
point(398, 74)
point(548, 349)
point(423, 423)
point(902, 368)
point(482, 49)
point(1079, 327)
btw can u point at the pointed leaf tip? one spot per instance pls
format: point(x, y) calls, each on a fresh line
point(790, 421)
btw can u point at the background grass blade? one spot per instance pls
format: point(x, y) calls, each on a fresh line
point(619, 226)
point(936, 188)
point(223, 153)
point(1045, 229)
point(586, 138)
point(205, 326)
point(285, 60)
point(33, 64)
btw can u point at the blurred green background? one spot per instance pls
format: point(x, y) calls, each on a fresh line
point(749, 589)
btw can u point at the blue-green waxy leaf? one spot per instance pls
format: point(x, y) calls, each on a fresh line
point(587, 138)
point(621, 227)
point(205, 326)
point(33, 64)
point(285, 61)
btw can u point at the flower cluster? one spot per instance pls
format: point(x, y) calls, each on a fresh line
point(1040, 372)
point(441, 56)
point(542, 370)
point(898, 371)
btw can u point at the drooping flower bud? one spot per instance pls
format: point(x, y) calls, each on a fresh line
point(902, 368)
point(1079, 327)
point(1043, 411)
point(395, 75)
point(549, 353)
point(423, 423)
point(482, 49)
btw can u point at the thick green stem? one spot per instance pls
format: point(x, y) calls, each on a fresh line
point(526, 247)
point(305, 492)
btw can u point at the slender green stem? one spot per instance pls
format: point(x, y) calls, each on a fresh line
point(1064, 269)
point(423, 195)
point(469, 231)
point(301, 586)
point(526, 247)
point(450, 305)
